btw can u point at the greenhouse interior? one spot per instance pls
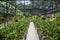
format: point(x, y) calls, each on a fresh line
point(30, 20)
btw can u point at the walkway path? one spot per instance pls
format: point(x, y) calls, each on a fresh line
point(32, 32)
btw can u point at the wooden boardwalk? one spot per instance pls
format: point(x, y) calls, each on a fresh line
point(32, 32)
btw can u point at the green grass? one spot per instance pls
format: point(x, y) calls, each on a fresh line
point(49, 28)
point(15, 30)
